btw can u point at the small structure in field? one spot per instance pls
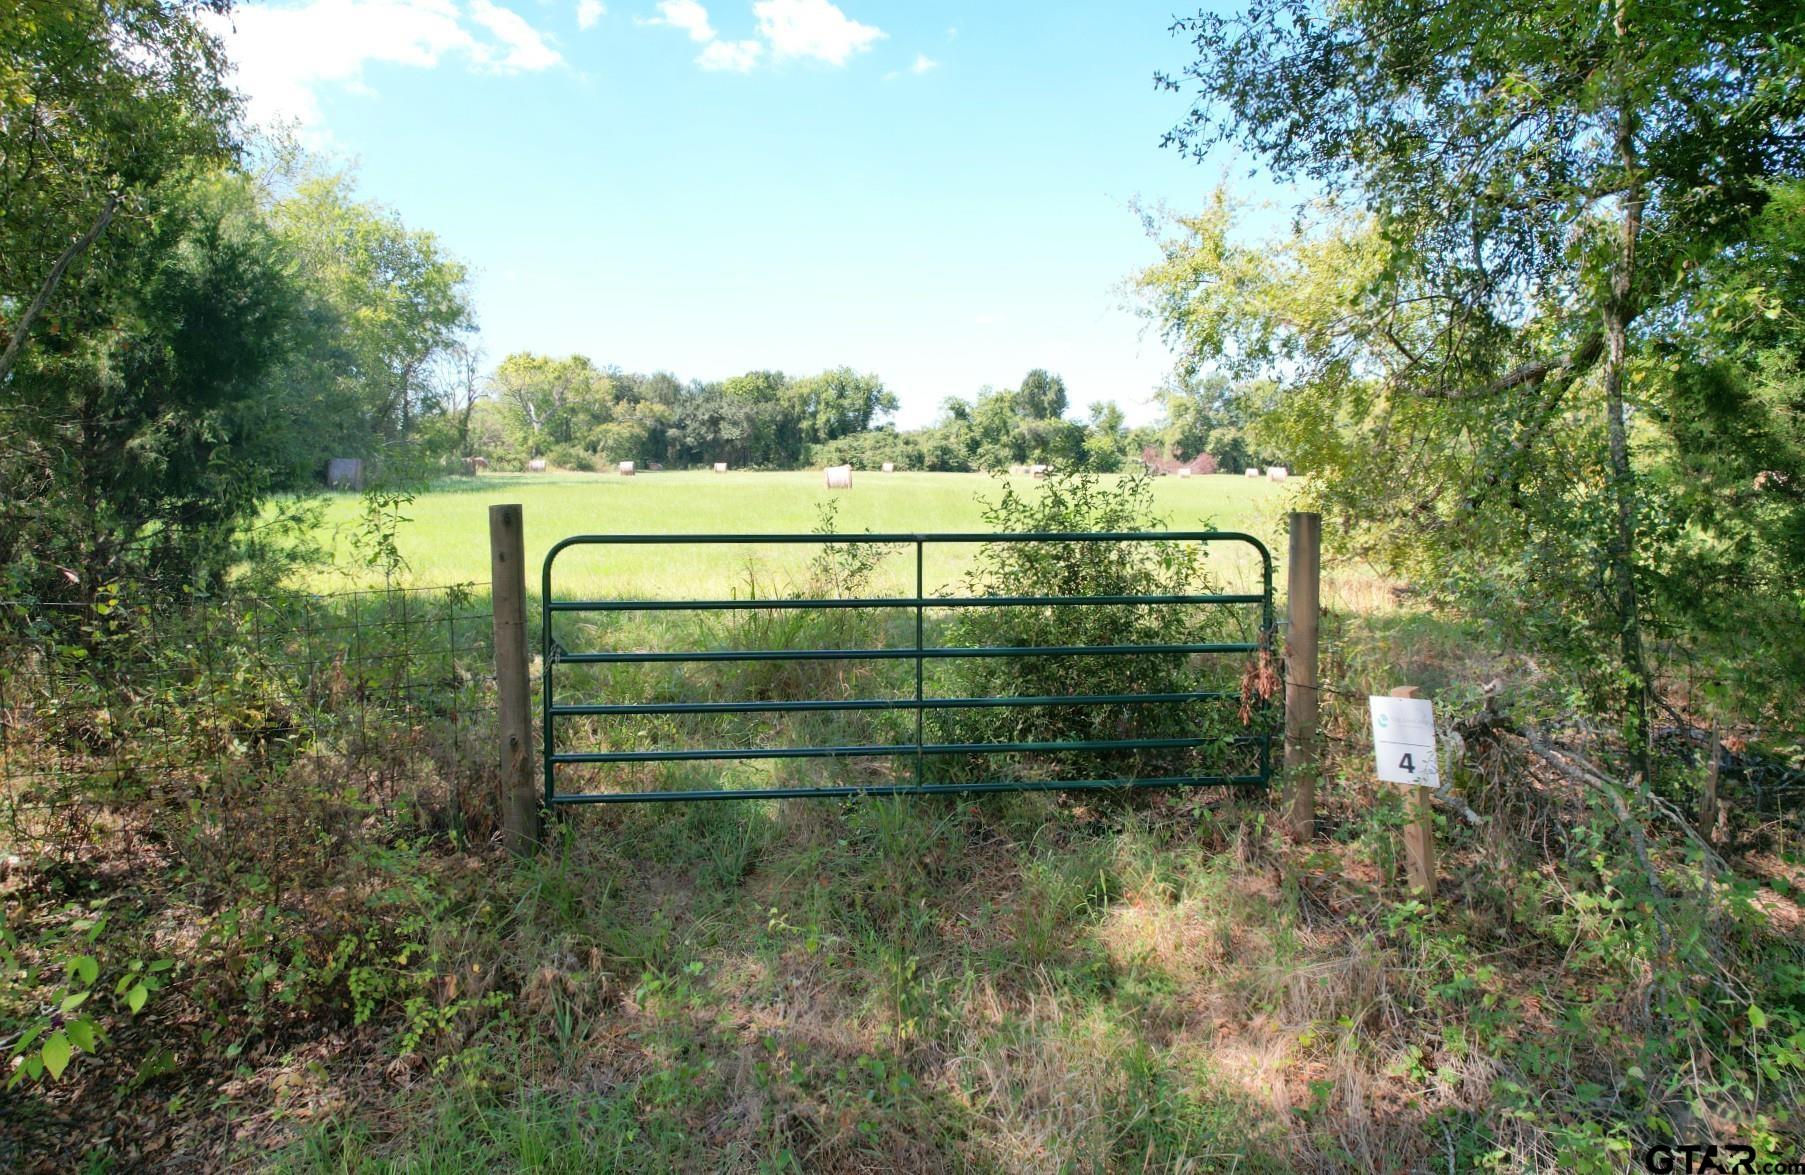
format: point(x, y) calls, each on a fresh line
point(1039, 470)
point(839, 477)
point(889, 467)
point(720, 467)
point(1182, 471)
point(625, 468)
point(345, 473)
point(1252, 471)
point(1277, 472)
point(536, 465)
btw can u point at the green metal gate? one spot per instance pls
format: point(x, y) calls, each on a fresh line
point(1256, 708)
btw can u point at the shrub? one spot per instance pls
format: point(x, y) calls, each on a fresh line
point(1083, 502)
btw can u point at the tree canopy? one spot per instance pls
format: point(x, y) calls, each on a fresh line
point(1472, 332)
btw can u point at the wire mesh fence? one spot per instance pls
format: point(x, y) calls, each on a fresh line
point(233, 716)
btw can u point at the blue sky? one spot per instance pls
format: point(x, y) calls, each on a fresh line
point(936, 192)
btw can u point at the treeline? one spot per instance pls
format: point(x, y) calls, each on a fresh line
point(577, 415)
point(190, 326)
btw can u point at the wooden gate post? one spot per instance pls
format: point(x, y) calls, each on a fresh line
point(1419, 827)
point(507, 579)
point(1303, 604)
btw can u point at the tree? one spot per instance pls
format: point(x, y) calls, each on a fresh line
point(1538, 178)
point(552, 403)
point(99, 103)
point(151, 427)
point(839, 403)
point(401, 301)
point(462, 381)
point(1103, 442)
point(1041, 396)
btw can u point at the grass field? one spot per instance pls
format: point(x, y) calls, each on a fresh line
point(445, 539)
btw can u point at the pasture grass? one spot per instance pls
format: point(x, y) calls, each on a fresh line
point(445, 538)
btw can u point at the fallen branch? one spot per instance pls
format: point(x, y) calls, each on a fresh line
point(1593, 774)
point(1584, 774)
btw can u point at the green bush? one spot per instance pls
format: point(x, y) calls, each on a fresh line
point(1083, 502)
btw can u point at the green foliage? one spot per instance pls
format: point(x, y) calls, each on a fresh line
point(393, 306)
point(48, 985)
point(143, 452)
point(101, 104)
point(1476, 357)
point(1079, 502)
point(580, 416)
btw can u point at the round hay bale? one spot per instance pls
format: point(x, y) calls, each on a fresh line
point(1277, 472)
point(626, 468)
point(720, 467)
point(889, 467)
point(839, 477)
point(536, 465)
point(1253, 471)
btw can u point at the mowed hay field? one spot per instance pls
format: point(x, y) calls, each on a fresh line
point(445, 538)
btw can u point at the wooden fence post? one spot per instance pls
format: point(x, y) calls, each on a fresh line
point(507, 578)
point(1303, 604)
point(1707, 801)
point(1419, 827)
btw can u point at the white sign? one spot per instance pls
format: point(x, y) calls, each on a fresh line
point(1404, 740)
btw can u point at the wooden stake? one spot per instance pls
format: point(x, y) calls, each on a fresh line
point(1419, 827)
point(1707, 800)
point(507, 578)
point(1303, 605)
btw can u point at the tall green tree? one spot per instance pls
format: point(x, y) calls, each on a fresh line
point(840, 402)
point(1538, 177)
point(552, 403)
point(401, 300)
point(156, 428)
point(100, 102)
point(1042, 395)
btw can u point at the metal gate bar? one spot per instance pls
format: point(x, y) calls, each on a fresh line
point(921, 653)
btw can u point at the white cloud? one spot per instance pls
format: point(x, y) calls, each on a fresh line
point(813, 28)
point(730, 56)
point(786, 28)
point(526, 49)
point(923, 63)
point(687, 15)
point(590, 13)
point(283, 55)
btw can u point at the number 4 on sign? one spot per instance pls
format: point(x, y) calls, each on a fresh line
point(1404, 741)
